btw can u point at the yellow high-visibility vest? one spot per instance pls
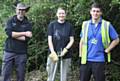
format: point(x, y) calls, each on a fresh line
point(105, 39)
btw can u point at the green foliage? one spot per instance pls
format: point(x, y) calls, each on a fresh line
point(112, 72)
point(6, 10)
point(2, 39)
point(44, 11)
point(38, 45)
point(41, 15)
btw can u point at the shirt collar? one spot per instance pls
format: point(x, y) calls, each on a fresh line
point(98, 22)
point(15, 19)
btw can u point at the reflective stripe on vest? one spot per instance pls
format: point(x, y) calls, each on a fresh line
point(105, 39)
point(84, 44)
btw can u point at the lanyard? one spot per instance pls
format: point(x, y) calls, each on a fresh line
point(95, 30)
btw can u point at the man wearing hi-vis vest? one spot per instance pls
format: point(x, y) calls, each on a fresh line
point(98, 37)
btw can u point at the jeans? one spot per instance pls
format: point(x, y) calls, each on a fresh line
point(65, 69)
point(10, 60)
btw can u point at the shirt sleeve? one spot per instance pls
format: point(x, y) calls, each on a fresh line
point(50, 29)
point(112, 32)
point(72, 31)
point(8, 28)
point(80, 34)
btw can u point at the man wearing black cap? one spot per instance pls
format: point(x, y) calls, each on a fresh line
point(18, 30)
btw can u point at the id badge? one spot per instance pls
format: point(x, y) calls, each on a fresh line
point(94, 41)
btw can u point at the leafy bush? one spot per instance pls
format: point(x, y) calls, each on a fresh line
point(41, 15)
point(42, 12)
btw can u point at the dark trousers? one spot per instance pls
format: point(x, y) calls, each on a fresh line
point(10, 60)
point(95, 68)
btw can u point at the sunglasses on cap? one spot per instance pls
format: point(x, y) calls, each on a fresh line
point(22, 9)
